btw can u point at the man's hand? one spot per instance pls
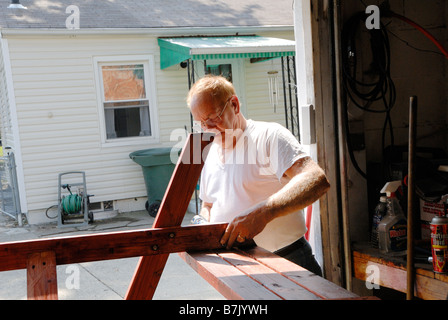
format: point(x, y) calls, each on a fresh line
point(245, 227)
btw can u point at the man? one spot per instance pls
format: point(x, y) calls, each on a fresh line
point(256, 176)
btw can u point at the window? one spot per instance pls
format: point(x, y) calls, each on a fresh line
point(232, 69)
point(126, 108)
point(224, 70)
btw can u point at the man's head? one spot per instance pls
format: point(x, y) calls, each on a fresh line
point(213, 103)
point(217, 88)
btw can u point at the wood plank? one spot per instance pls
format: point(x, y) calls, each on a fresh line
point(232, 283)
point(271, 273)
point(370, 254)
point(373, 255)
point(319, 286)
point(388, 276)
point(171, 213)
point(113, 245)
point(41, 276)
point(273, 281)
point(427, 286)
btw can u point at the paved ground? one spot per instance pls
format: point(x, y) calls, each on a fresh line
point(103, 280)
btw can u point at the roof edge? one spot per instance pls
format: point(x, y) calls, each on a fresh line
point(142, 31)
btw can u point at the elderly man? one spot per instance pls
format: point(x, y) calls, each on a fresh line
point(256, 176)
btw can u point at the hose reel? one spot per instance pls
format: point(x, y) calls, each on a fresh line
point(72, 203)
point(73, 208)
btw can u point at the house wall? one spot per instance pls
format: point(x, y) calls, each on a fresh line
point(257, 100)
point(58, 115)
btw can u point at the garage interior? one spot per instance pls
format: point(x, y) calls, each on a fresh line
point(379, 72)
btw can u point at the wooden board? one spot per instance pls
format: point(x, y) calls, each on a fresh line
point(428, 285)
point(113, 245)
point(258, 275)
point(317, 285)
point(231, 282)
point(171, 213)
point(41, 276)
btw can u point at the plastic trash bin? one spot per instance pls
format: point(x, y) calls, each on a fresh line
point(157, 170)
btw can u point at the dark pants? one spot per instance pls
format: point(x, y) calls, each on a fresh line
point(301, 253)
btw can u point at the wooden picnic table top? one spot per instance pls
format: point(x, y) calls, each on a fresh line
point(257, 274)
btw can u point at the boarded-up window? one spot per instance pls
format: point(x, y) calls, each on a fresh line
point(126, 105)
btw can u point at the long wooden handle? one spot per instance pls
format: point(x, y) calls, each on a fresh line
point(411, 188)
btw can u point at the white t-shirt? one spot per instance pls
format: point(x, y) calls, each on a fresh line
point(245, 176)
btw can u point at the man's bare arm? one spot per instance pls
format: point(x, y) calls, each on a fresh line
point(205, 210)
point(307, 184)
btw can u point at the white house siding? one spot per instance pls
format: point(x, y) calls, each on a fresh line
point(257, 88)
point(58, 115)
point(172, 89)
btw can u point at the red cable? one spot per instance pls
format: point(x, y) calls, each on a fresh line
point(422, 30)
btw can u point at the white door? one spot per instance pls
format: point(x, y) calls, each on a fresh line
point(232, 69)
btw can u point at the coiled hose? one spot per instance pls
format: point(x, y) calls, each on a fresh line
point(72, 203)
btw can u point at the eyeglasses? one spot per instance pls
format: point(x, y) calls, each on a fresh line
point(214, 121)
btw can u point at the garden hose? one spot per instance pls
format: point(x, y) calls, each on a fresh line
point(72, 203)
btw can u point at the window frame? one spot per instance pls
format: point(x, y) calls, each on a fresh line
point(149, 77)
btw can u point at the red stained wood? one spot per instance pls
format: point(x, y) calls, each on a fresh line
point(258, 275)
point(231, 282)
point(392, 274)
point(319, 286)
point(171, 213)
point(113, 245)
point(41, 276)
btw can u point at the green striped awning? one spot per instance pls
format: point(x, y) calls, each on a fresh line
point(176, 50)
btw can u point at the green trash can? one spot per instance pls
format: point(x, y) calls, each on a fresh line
point(157, 170)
